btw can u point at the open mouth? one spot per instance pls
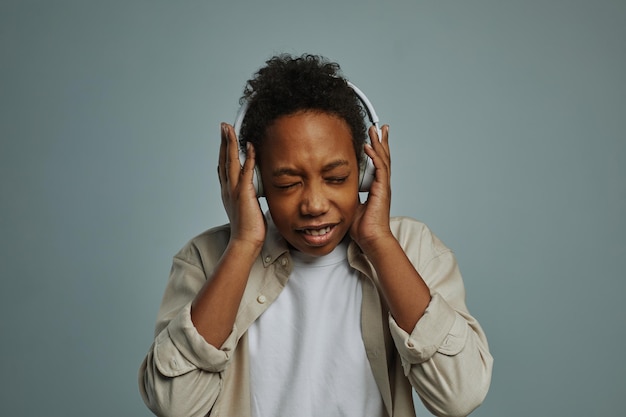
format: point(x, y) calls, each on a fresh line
point(317, 232)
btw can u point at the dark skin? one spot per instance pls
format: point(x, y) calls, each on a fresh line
point(316, 191)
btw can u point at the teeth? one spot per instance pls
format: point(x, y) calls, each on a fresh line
point(317, 232)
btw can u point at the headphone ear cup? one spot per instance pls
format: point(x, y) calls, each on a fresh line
point(256, 181)
point(256, 175)
point(366, 175)
point(367, 171)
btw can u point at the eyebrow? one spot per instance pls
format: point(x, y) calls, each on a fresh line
point(293, 172)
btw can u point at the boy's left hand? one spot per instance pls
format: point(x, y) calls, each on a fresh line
point(371, 223)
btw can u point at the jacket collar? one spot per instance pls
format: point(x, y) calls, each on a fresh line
point(275, 245)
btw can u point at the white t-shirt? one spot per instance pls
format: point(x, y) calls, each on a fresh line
point(307, 357)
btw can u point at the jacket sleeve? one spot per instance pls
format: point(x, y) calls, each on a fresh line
point(446, 357)
point(181, 374)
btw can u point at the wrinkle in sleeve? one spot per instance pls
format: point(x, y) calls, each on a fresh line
point(446, 356)
point(440, 329)
point(179, 348)
point(181, 374)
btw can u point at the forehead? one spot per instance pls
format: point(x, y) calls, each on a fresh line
point(307, 134)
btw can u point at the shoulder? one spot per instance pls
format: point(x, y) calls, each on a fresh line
point(400, 223)
point(417, 240)
point(407, 228)
point(206, 246)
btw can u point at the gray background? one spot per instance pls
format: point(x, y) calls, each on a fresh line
point(508, 123)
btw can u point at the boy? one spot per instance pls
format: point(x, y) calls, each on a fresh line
point(325, 306)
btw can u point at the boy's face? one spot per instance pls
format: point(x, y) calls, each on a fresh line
point(310, 176)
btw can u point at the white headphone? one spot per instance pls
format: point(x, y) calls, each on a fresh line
point(366, 171)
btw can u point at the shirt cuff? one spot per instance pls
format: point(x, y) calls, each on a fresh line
point(440, 329)
point(179, 348)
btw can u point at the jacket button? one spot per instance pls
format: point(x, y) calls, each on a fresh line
point(261, 299)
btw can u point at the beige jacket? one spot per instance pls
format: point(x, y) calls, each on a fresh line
point(445, 358)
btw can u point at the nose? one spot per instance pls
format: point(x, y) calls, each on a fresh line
point(314, 202)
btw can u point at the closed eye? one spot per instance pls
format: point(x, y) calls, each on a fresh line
point(337, 180)
point(286, 186)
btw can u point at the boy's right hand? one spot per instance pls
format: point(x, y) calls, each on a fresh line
point(247, 222)
point(214, 308)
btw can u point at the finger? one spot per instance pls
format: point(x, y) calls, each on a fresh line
point(221, 162)
point(247, 170)
point(377, 158)
point(380, 144)
point(233, 167)
point(248, 166)
point(385, 143)
point(385, 138)
point(379, 149)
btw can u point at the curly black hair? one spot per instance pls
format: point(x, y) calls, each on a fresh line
point(287, 85)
